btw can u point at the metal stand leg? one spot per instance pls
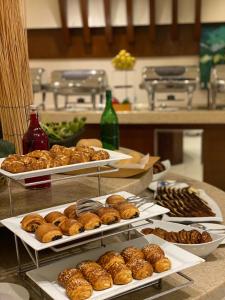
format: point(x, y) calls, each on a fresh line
point(56, 101)
point(17, 253)
point(10, 196)
point(99, 182)
point(43, 99)
point(37, 259)
point(129, 232)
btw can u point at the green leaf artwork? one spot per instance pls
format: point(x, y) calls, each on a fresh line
point(212, 50)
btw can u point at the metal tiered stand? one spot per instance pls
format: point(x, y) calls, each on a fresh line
point(70, 249)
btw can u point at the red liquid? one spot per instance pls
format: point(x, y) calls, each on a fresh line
point(36, 139)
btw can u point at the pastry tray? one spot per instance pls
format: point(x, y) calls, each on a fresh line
point(13, 223)
point(114, 157)
point(202, 194)
point(46, 277)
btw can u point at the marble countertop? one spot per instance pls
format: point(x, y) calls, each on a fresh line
point(143, 117)
point(209, 277)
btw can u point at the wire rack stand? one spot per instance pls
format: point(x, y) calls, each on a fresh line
point(77, 247)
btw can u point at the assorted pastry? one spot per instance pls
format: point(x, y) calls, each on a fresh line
point(183, 202)
point(57, 156)
point(56, 224)
point(113, 268)
point(158, 167)
point(180, 237)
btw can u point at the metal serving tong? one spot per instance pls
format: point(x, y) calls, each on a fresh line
point(86, 204)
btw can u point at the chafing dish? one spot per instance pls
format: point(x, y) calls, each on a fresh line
point(217, 83)
point(169, 79)
point(78, 82)
point(37, 85)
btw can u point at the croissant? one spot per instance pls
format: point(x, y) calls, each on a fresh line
point(79, 157)
point(120, 273)
point(70, 212)
point(132, 253)
point(162, 265)
point(140, 268)
point(96, 275)
point(114, 200)
point(109, 258)
point(31, 222)
point(55, 217)
point(67, 274)
point(13, 166)
point(71, 227)
point(47, 233)
point(153, 253)
point(79, 289)
point(108, 215)
point(127, 210)
point(59, 150)
point(89, 220)
point(100, 155)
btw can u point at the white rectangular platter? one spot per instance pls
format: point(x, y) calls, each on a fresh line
point(13, 223)
point(114, 157)
point(46, 277)
point(211, 203)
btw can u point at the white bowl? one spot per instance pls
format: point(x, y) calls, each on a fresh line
point(201, 250)
point(159, 175)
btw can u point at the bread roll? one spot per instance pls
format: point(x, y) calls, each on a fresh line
point(90, 142)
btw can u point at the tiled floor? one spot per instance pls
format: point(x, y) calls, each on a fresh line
point(191, 165)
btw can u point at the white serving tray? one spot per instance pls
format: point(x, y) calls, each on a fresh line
point(114, 157)
point(211, 203)
point(13, 223)
point(46, 277)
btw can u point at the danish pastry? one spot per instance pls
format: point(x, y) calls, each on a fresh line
point(153, 253)
point(55, 217)
point(131, 253)
point(140, 268)
point(70, 211)
point(109, 258)
point(79, 157)
point(31, 222)
point(61, 160)
point(96, 275)
point(13, 166)
point(67, 274)
point(100, 155)
point(47, 233)
point(59, 150)
point(127, 210)
point(71, 227)
point(79, 289)
point(114, 200)
point(120, 273)
point(162, 265)
point(89, 151)
point(108, 215)
point(89, 220)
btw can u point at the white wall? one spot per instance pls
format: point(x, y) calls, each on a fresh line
point(45, 13)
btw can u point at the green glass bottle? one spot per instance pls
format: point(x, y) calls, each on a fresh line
point(109, 125)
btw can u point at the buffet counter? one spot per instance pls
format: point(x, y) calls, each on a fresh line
point(209, 277)
point(139, 131)
point(143, 117)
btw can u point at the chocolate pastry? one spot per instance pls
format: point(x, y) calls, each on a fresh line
point(31, 222)
point(140, 268)
point(131, 253)
point(89, 220)
point(114, 200)
point(108, 215)
point(127, 210)
point(47, 233)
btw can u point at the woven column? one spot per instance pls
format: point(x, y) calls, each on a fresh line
point(15, 81)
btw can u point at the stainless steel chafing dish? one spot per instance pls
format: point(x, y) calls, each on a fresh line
point(78, 82)
point(37, 84)
point(217, 83)
point(170, 79)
